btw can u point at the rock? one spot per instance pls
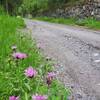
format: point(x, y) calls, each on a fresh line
point(71, 97)
point(48, 58)
point(97, 61)
point(78, 96)
point(97, 17)
point(90, 9)
point(96, 54)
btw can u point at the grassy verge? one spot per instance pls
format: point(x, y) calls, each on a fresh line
point(13, 80)
point(88, 22)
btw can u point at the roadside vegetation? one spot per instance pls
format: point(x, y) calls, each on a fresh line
point(87, 22)
point(24, 72)
point(33, 7)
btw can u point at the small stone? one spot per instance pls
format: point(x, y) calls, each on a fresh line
point(70, 97)
point(81, 72)
point(72, 86)
point(98, 84)
point(96, 54)
point(78, 96)
point(97, 61)
point(48, 58)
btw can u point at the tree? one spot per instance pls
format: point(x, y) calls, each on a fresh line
point(11, 5)
point(32, 6)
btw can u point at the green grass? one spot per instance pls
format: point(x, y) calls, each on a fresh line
point(12, 78)
point(57, 20)
point(88, 22)
point(91, 23)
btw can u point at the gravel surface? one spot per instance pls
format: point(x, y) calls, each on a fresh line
point(77, 53)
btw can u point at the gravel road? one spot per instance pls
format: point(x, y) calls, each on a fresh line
point(77, 54)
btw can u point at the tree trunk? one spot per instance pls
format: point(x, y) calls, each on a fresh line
point(7, 7)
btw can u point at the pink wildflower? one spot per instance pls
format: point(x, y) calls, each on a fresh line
point(13, 98)
point(39, 97)
point(40, 45)
point(30, 72)
point(50, 77)
point(19, 55)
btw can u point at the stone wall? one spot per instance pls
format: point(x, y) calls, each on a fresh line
point(88, 9)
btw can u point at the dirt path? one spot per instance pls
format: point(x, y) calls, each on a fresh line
point(77, 53)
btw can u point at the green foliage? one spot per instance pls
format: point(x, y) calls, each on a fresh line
point(57, 20)
point(80, 22)
point(12, 78)
point(92, 23)
point(55, 3)
point(33, 7)
point(1, 10)
point(89, 22)
point(11, 6)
